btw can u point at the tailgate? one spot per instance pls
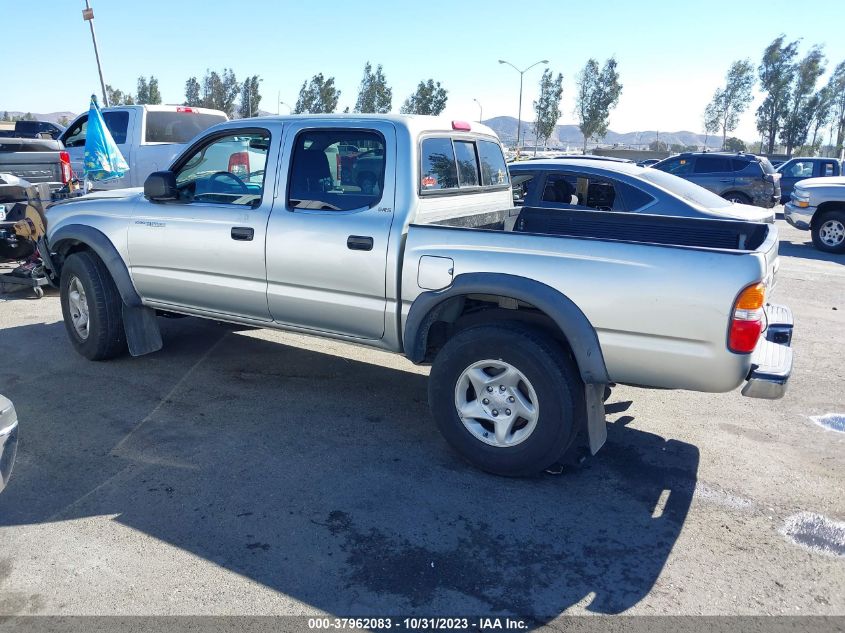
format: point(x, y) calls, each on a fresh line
point(34, 167)
point(769, 249)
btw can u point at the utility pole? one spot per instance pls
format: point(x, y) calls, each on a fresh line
point(88, 16)
point(521, 73)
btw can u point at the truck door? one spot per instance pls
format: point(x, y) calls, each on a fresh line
point(327, 239)
point(120, 123)
point(204, 251)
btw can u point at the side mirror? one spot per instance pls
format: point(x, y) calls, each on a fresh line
point(160, 186)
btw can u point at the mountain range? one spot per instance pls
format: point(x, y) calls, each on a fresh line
point(570, 135)
point(505, 128)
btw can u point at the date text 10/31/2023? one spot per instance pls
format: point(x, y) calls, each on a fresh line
point(418, 624)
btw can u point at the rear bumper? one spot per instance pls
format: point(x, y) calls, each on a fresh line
point(771, 362)
point(798, 217)
point(8, 440)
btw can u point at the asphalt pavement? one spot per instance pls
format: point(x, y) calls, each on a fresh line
point(243, 471)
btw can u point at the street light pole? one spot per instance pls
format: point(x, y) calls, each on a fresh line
point(88, 16)
point(290, 110)
point(521, 73)
point(480, 110)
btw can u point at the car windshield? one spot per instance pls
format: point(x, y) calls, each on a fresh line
point(684, 189)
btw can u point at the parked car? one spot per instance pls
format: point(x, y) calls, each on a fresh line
point(625, 187)
point(148, 136)
point(525, 315)
point(738, 177)
point(796, 169)
point(818, 205)
point(8, 439)
point(33, 129)
point(35, 160)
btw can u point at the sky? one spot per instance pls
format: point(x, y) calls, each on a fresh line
point(671, 55)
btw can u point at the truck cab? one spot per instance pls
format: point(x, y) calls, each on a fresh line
point(799, 168)
point(148, 136)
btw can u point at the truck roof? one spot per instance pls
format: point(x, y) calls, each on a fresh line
point(414, 123)
point(163, 108)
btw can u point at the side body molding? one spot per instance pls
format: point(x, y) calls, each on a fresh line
point(572, 322)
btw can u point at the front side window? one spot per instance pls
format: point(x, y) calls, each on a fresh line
point(336, 170)
point(117, 122)
point(799, 169)
point(228, 170)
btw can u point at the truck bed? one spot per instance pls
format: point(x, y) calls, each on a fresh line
point(625, 227)
point(34, 160)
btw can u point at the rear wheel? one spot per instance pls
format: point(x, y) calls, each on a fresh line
point(829, 232)
point(736, 196)
point(91, 307)
point(507, 398)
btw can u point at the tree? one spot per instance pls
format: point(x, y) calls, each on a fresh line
point(316, 96)
point(250, 97)
point(192, 92)
point(143, 94)
point(155, 94)
point(776, 72)
point(429, 98)
point(118, 97)
point(733, 144)
point(836, 85)
point(730, 102)
point(374, 95)
point(6, 116)
point(798, 118)
point(220, 91)
point(658, 146)
point(711, 122)
point(598, 93)
point(547, 106)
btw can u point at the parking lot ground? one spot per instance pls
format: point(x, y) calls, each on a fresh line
point(245, 471)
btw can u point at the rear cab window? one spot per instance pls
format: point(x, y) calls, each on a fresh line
point(178, 126)
point(458, 164)
point(336, 170)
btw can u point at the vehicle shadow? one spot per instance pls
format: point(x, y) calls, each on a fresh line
point(806, 250)
point(325, 479)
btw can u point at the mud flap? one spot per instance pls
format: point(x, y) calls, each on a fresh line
point(596, 424)
point(142, 333)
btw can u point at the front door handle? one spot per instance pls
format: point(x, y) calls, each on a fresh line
point(359, 243)
point(243, 233)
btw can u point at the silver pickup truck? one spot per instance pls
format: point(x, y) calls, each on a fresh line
point(818, 205)
point(524, 314)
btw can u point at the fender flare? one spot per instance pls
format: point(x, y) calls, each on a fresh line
point(575, 326)
point(98, 242)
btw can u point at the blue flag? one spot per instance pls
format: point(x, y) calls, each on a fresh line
point(103, 160)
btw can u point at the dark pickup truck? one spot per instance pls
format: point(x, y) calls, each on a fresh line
point(35, 160)
point(796, 169)
point(32, 129)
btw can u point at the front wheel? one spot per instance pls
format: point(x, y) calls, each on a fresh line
point(829, 232)
point(736, 197)
point(91, 307)
point(507, 398)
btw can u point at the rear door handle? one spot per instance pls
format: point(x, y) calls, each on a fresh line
point(359, 243)
point(243, 233)
point(725, 179)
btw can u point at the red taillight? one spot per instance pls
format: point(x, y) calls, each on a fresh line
point(239, 164)
point(184, 109)
point(461, 125)
point(747, 319)
point(67, 172)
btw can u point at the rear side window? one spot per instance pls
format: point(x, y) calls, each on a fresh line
point(457, 163)
point(323, 177)
point(677, 166)
point(438, 165)
point(712, 165)
point(178, 127)
point(635, 199)
point(827, 169)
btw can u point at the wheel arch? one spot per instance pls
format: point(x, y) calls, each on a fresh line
point(823, 209)
point(567, 319)
point(74, 237)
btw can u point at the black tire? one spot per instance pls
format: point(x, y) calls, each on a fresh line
point(736, 196)
point(105, 335)
point(827, 227)
point(553, 376)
